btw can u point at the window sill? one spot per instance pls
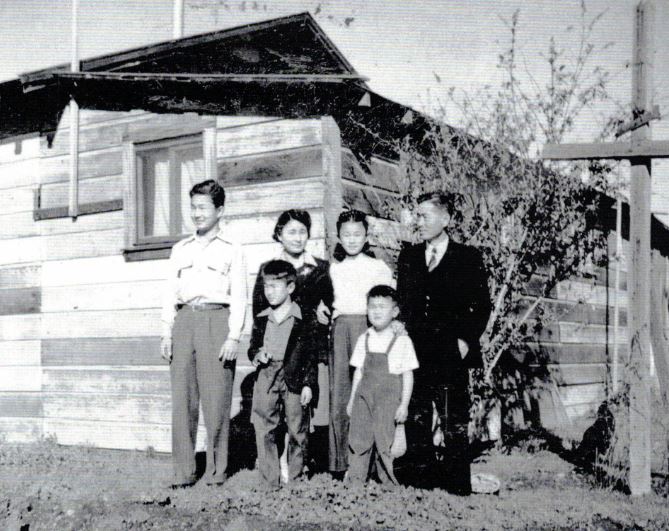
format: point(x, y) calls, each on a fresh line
point(84, 210)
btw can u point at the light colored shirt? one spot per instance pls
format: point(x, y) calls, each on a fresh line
point(352, 278)
point(207, 271)
point(277, 332)
point(441, 249)
point(401, 358)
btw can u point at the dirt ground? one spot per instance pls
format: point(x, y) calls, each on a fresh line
point(46, 486)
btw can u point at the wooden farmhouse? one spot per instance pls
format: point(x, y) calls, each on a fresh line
point(277, 114)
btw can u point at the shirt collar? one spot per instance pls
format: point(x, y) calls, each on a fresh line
point(307, 258)
point(440, 247)
point(219, 236)
point(294, 312)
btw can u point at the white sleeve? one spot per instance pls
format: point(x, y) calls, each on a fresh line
point(404, 356)
point(358, 356)
point(170, 293)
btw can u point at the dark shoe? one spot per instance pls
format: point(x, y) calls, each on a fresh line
point(182, 485)
point(215, 482)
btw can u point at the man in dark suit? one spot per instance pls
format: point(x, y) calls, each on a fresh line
point(445, 304)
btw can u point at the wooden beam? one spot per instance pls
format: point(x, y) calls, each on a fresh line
point(334, 188)
point(657, 149)
point(638, 313)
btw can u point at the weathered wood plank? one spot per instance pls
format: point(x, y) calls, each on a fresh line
point(332, 172)
point(90, 138)
point(381, 174)
point(371, 201)
point(102, 351)
point(110, 323)
point(18, 225)
point(99, 270)
point(83, 244)
point(19, 174)
point(20, 277)
point(569, 353)
point(21, 429)
point(110, 380)
point(18, 327)
point(90, 191)
point(576, 291)
point(29, 149)
point(580, 373)
point(91, 164)
point(20, 250)
point(225, 122)
point(20, 301)
point(26, 352)
point(268, 136)
point(275, 166)
point(19, 199)
point(105, 434)
point(21, 404)
point(582, 394)
point(21, 378)
point(92, 222)
point(578, 333)
point(273, 197)
point(117, 296)
point(260, 228)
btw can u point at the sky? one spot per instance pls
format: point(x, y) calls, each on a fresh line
point(412, 51)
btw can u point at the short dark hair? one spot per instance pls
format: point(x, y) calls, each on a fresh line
point(443, 200)
point(298, 215)
point(355, 216)
point(382, 290)
point(279, 270)
point(212, 189)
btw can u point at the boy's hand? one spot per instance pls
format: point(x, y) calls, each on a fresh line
point(463, 347)
point(262, 357)
point(166, 348)
point(305, 396)
point(401, 414)
point(349, 407)
point(229, 350)
point(323, 313)
point(438, 437)
point(398, 328)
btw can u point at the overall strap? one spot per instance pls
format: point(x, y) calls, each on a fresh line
point(391, 344)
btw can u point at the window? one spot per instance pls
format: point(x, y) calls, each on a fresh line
point(165, 174)
point(159, 174)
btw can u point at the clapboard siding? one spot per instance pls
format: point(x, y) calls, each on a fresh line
point(21, 174)
point(112, 323)
point(141, 380)
point(117, 296)
point(91, 164)
point(24, 353)
point(122, 351)
point(20, 378)
point(29, 149)
point(24, 404)
point(20, 277)
point(20, 300)
point(18, 327)
point(17, 199)
point(95, 189)
point(272, 197)
point(20, 429)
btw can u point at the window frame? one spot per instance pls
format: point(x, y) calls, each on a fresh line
point(137, 246)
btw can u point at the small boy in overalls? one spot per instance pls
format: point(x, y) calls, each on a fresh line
point(282, 349)
point(381, 390)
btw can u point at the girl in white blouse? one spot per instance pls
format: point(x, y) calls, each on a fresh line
point(353, 275)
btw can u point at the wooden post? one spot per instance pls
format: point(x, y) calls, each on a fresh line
point(178, 19)
point(333, 189)
point(639, 270)
point(658, 323)
point(73, 207)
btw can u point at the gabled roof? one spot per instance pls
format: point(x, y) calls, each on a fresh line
point(291, 45)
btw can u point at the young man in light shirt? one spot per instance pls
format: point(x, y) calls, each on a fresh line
point(203, 316)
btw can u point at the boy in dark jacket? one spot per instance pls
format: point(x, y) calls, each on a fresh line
point(286, 372)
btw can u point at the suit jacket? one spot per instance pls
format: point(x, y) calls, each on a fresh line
point(441, 306)
point(300, 359)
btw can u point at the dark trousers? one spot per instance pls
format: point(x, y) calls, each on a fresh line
point(268, 392)
point(198, 375)
point(448, 467)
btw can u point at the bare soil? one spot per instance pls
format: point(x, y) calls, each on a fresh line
point(46, 486)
